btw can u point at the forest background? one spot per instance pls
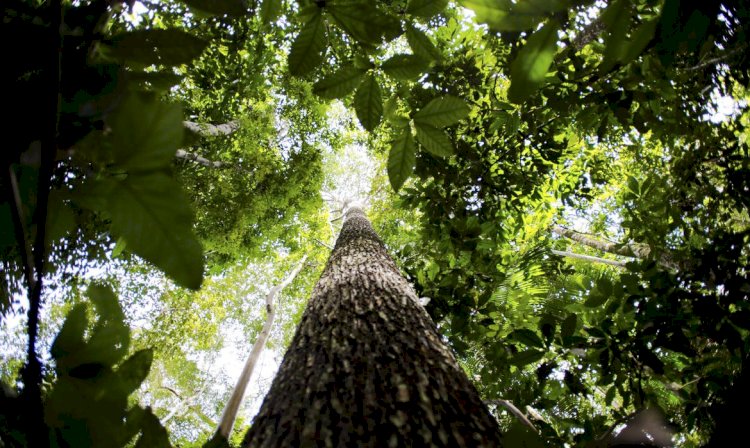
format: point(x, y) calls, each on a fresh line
point(566, 181)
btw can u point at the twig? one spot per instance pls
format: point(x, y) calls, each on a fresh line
point(323, 244)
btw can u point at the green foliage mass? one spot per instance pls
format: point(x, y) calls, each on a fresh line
point(517, 139)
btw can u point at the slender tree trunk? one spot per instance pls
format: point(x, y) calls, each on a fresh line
point(367, 367)
point(230, 412)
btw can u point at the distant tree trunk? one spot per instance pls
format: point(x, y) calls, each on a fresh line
point(233, 405)
point(367, 367)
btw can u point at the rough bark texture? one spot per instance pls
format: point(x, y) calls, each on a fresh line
point(367, 367)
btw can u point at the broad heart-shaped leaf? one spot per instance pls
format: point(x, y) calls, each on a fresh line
point(154, 46)
point(368, 103)
point(145, 133)
point(219, 7)
point(425, 8)
point(401, 159)
point(433, 140)
point(421, 44)
point(442, 112)
point(528, 70)
point(309, 46)
point(270, 10)
point(339, 84)
point(405, 66)
point(150, 212)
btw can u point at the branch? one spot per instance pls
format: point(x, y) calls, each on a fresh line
point(627, 250)
point(515, 411)
point(185, 155)
point(713, 61)
point(233, 405)
point(212, 130)
point(562, 253)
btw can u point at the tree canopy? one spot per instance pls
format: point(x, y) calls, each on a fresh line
point(566, 181)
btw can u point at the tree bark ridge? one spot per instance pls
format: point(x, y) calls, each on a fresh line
point(367, 367)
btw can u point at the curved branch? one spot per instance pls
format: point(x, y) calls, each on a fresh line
point(200, 160)
point(212, 130)
point(515, 411)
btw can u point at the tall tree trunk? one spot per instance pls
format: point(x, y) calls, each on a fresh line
point(367, 367)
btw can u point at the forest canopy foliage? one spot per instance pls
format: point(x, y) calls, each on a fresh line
point(567, 181)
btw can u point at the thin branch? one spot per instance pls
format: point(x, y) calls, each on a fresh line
point(323, 244)
point(186, 155)
point(18, 225)
point(230, 412)
point(515, 411)
point(713, 61)
point(562, 253)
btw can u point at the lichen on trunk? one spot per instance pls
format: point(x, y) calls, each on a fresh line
point(367, 366)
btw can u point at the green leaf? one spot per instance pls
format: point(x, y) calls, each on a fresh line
point(617, 19)
point(362, 20)
point(421, 44)
point(154, 46)
point(442, 112)
point(339, 84)
point(219, 7)
point(133, 371)
point(529, 69)
point(527, 337)
point(153, 434)
point(425, 8)
point(392, 114)
point(596, 298)
point(503, 15)
point(70, 338)
point(521, 436)
point(154, 217)
point(526, 357)
point(60, 218)
point(270, 10)
point(308, 48)
point(157, 81)
point(110, 337)
point(401, 159)
point(568, 326)
point(368, 103)
point(405, 66)
point(641, 37)
point(145, 133)
point(434, 140)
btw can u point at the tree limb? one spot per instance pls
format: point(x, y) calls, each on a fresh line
point(212, 130)
point(563, 253)
point(515, 411)
point(185, 155)
point(233, 405)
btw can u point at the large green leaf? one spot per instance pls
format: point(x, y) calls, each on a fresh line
point(442, 112)
point(270, 10)
point(503, 15)
point(362, 20)
point(133, 371)
point(368, 103)
point(529, 69)
point(151, 213)
point(339, 84)
point(401, 159)
point(145, 133)
point(70, 338)
point(154, 46)
point(425, 8)
point(308, 49)
point(527, 337)
point(526, 357)
point(421, 44)
point(219, 7)
point(405, 66)
point(434, 140)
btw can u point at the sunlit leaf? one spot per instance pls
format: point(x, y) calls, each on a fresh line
point(425, 8)
point(530, 67)
point(442, 112)
point(339, 84)
point(433, 140)
point(401, 159)
point(421, 44)
point(270, 10)
point(309, 46)
point(368, 103)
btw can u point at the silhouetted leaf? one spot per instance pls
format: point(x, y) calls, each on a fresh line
point(401, 159)
point(368, 103)
point(309, 46)
point(425, 8)
point(405, 66)
point(339, 84)
point(433, 140)
point(155, 46)
point(530, 67)
point(219, 7)
point(442, 112)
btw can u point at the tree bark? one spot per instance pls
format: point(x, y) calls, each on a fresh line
point(562, 253)
point(200, 160)
point(233, 405)
point(212, 130)
point(367, 367)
